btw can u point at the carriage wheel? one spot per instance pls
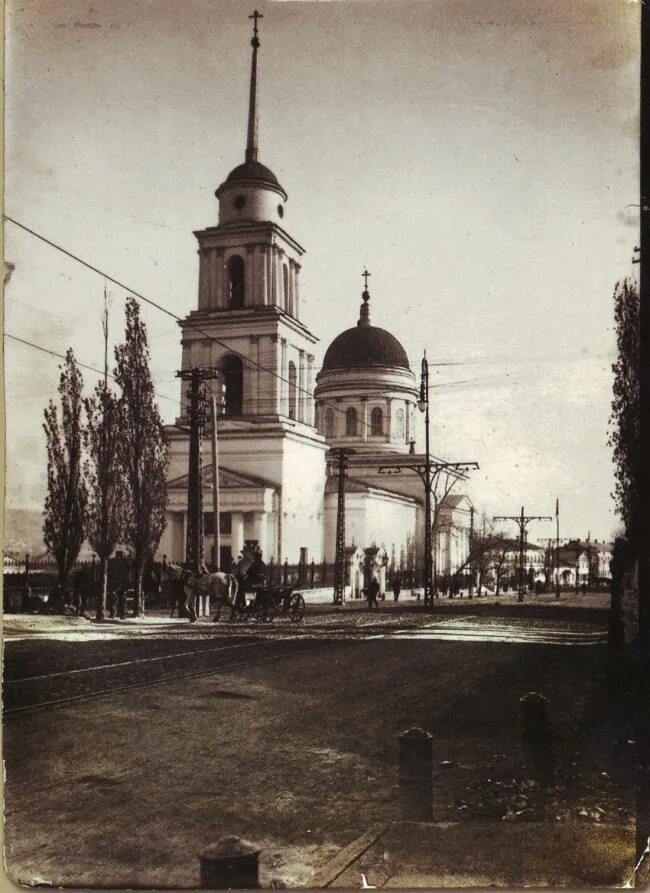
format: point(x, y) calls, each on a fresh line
point(296, 607)
point(238, 614)
point(265, 611)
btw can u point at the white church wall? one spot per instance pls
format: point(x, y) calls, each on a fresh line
point(302, 499)
point(371, 518)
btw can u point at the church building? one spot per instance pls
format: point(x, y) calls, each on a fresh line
point(279, 420)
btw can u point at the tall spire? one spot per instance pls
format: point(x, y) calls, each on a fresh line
point(251, 141)
point(364, 315)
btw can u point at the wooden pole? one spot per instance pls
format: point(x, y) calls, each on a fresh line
point(216, 546)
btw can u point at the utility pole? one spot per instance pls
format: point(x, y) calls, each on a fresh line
point(428, 469)
point(522, 521)
point(557, 549)
point(340, 456)
point(197, 377)
point(471, 551)
point(216, 410)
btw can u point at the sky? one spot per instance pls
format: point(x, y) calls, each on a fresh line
point(479, 158)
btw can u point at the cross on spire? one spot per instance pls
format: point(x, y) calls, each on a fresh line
point(251, 138)
point(365, 275)
point(256, 15)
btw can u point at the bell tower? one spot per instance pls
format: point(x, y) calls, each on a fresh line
point(248, 295)
point(247, 327)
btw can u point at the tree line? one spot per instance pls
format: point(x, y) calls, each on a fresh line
point(107, 459)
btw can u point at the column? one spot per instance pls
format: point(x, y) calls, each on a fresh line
point(214, 278)
point(184, 543)
point(364, 419)
point(292, 304)
point(269, 276)
point(273, 277)
point(253, 400)
point(237, 536)
point(261, 402)
point(389, 419)
point(223, 285)
point(204, 293)
point(284, 373)
point(259, 528)
point(263, 278)
point(407, 420)
point(280, 278)
point(301, 386)
point(309, 418)
point(275, 395)
point(296, 295)
point(249, 277)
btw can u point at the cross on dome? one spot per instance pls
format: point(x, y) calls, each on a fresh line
point(255, 40)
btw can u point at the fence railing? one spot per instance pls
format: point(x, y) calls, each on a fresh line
point(306, 575)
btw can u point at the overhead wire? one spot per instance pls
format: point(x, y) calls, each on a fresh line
point(213, 339)
point(61, 356)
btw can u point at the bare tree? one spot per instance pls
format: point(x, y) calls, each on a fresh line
point(442, 483)
point(143, 448)
point(498, 556)
point(65, 503)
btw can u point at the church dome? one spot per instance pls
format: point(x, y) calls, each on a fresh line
point(365, 346)
point(252, 170)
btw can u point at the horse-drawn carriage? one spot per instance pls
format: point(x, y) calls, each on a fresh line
point(269, 602)
point(242, 597)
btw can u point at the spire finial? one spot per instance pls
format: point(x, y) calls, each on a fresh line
point(255, 42)
point(251, 141)
point(364, 316)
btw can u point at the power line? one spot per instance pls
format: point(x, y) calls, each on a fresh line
point(211, 338)
point(168, 312)
point(61, 356)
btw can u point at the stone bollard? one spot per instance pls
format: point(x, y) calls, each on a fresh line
point(230, 864)
point(415, 778)
point(536, 737)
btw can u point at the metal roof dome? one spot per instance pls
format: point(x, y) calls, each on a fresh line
point(252, 170)
point(365, 346)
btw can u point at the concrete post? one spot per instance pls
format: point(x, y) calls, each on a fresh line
point(415, 775)
point(230, 864)
point(536, 737)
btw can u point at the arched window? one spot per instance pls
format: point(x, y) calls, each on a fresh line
point(236, 280)
point(400, 430)
point(285, 288)
point(329, 422)
point(376, 421)
point(351, 422)
point(292, 390)
point(232, 369)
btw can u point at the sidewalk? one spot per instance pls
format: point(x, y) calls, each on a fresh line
point(482, 854)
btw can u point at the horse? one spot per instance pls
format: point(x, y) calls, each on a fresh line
point(220, 586)
point(176, 575)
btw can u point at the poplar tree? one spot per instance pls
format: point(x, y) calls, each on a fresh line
point(142, 448)
point(105, 477)
point(625, 420)
point(65, 502)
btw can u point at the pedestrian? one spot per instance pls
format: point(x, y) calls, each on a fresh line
point(373, 592)
point(397, 587)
